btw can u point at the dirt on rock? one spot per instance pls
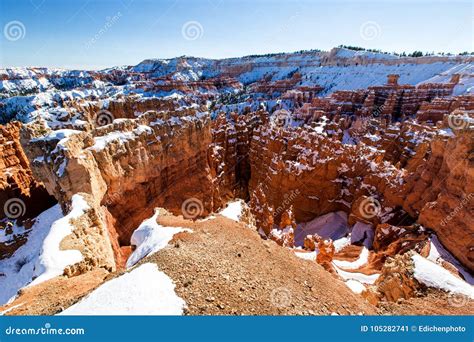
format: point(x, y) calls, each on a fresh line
point(53, 296)
point(225, 268)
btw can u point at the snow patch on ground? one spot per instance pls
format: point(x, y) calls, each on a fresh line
point(150, 237)
point(307, 255)
point(438, 254)
point(360, 277)
point(353, 265)
point(233, 210)
point(434, 275)
point(52, 260)
point(355, 286)
point(339, 244)
point(143, 291)
point(19, 268)
point(41, 258)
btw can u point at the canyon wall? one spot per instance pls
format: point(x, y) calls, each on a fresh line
point(127, 168)
point(17, 183)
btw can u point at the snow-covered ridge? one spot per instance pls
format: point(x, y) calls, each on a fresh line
point(41, 257)
point(28, 93)
point(26, 80)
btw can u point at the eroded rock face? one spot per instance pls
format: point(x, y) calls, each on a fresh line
point(396, 280)
point(16, 179)
point(397, 175)
point(429, 101)
point(442, 192)
point(318, 174)
point(229, 153)
point(128, 168)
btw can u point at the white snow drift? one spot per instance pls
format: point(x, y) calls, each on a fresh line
point(434, 275)
point(143, 291)
point(233, 210)
point(41, 258)
point(150, 237)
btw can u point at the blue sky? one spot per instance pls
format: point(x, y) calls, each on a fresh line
point(102, 33)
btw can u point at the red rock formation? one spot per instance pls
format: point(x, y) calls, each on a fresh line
point(396, 280)
point(435, 110)
point(325, 254)
point(229, 154)
point(403, 170)
point(391, 100)
point(16, 179)
point(158, 160)
point(161, 156)
point(440, 190)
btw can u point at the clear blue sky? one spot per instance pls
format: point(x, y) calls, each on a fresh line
point(102, 33)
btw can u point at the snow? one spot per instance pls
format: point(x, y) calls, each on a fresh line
point(330, 226)
point(466, 81)
point(233, 210)
point(17, 231)
point(2, 313)
point(339, 244)
point(348, 53)
point(143, 291)
point(372, 137)
point(355, 286)
point(150, 237)
point(62, 168)
point(448, 132)
point(438, 254)
point(120, 137)
point(352, 77)
point(60, 134)
point(307, 255)
point(281, 233)
point(52, 259)
point(360, 277)
point(18, 269)
point(40, 258)
point(352, 265)
point(434, 275)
